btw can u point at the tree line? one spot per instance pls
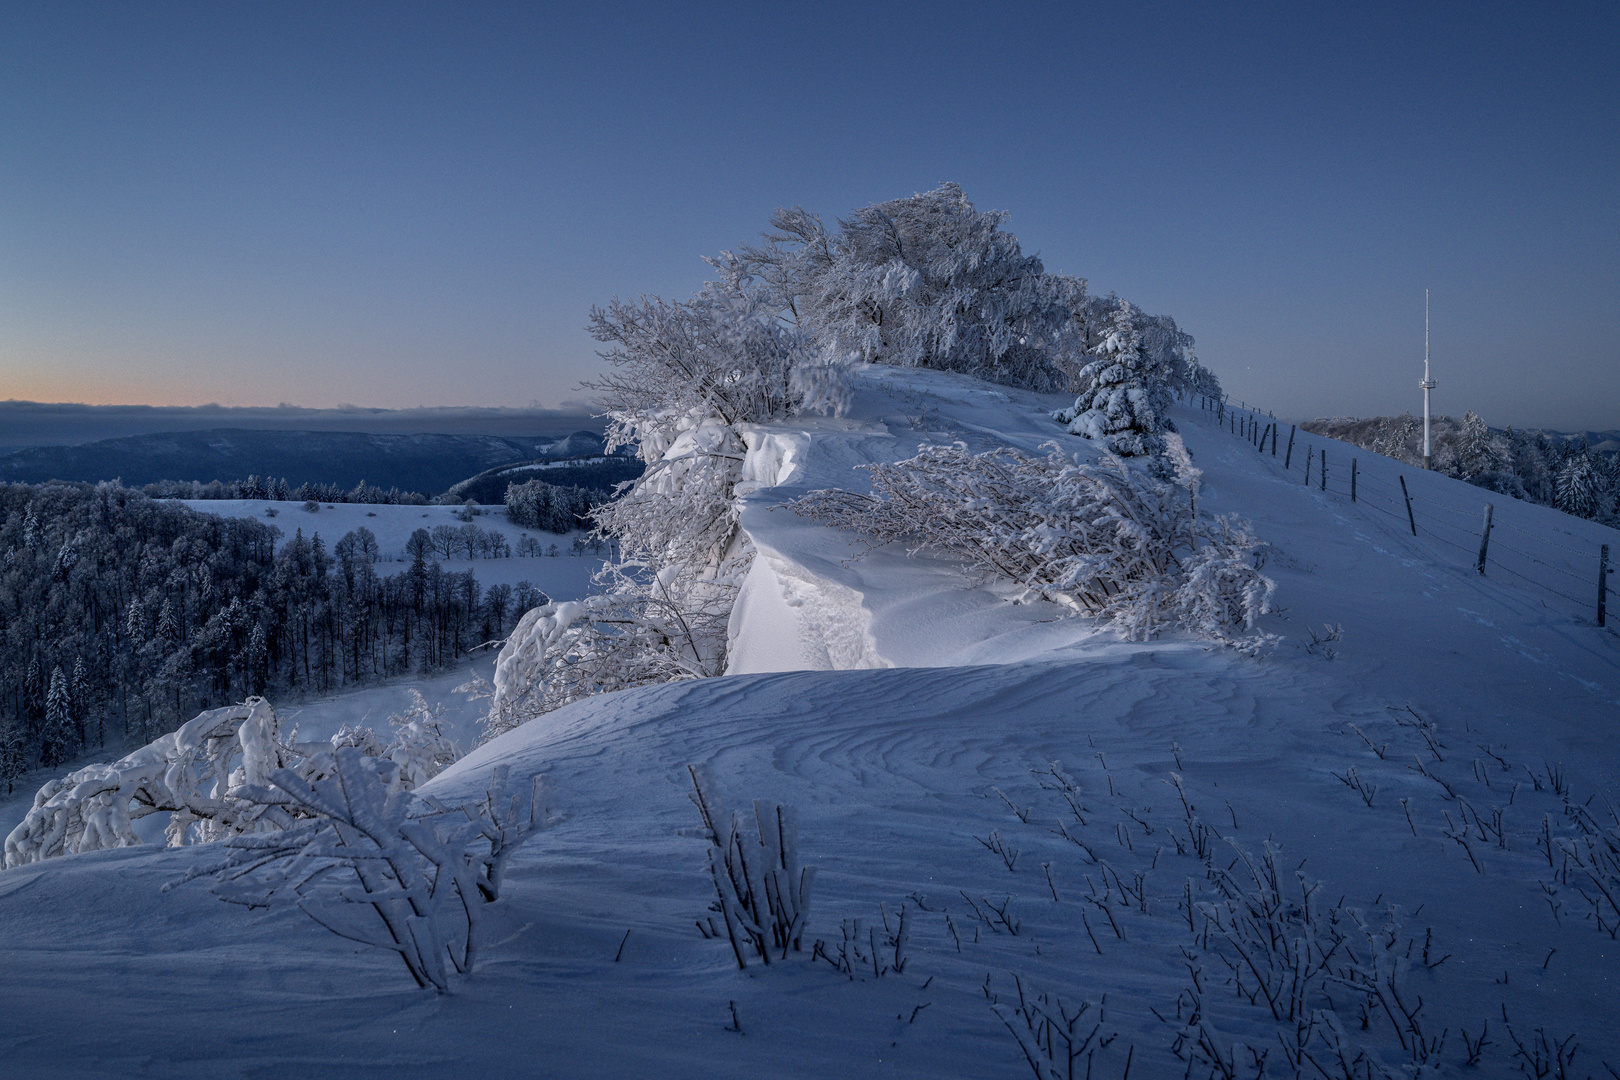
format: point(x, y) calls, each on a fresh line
point(277, 489)
point(1530, 465)
point(121, 616)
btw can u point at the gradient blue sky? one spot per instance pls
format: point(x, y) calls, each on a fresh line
point(403, 205)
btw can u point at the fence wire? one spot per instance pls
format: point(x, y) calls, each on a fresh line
point(1337, 482)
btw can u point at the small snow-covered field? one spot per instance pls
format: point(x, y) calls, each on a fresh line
point(1388, 835)
point(565, 576)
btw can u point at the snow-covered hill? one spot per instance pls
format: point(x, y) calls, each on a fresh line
point(1059, 813)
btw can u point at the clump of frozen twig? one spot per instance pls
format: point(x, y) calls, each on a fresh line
point(762, 895)
point(377, 864)
point(1100, 538)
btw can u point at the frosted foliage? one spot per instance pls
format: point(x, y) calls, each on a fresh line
point(927, 281)
point(1127, 402)
point(688, 381)
point(762, 895)
point(377, 865)
point(1578, 486)
point(193, 773)
point(417, 746)
point(663, 608)
point(1101, 539)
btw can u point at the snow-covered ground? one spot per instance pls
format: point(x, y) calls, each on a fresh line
point(392, 525)
point(909, 773)
point(563, 577)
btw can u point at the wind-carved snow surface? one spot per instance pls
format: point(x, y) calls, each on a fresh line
point(1440, 773)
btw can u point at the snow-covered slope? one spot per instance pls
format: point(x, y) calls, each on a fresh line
point(907, 777)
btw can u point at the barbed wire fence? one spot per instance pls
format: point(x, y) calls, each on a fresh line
point(1566, 570)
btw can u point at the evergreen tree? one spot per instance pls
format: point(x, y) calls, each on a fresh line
point(167, 629)
point(1125, 407)
point(135, 620)
point(34, 694)
point(13, 756)
point(79, 703)
point(257, 661)
point(1578, 486)
point(56, 740)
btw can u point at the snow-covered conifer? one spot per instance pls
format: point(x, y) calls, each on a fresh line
point(1578, 486)
point(56, 740)
point(1127, 404)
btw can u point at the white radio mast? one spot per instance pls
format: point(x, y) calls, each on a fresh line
point(1427, 384)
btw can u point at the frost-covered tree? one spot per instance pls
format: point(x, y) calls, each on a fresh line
point(13, 755)
point(686, 381)
point(56, 739)
point(1578, 486)
point(931, 281)
point(1128, 403)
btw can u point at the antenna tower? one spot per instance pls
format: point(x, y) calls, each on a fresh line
point(1427, 384)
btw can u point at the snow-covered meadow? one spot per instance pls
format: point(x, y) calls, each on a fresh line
point(564, 576)
point(1386, 835)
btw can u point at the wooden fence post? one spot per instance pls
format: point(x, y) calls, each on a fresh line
point(1310, 452)
point(1289, 457)
point(1603, 583)
point(1410, 520)
point(1353, 464)
point(1485, 537)
point(1323, 468)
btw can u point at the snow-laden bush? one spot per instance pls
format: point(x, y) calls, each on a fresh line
point(376, 864)
point(1099, 538)
point(193, 773)
point(418, 745)
point(762, 894)
point(197, 775)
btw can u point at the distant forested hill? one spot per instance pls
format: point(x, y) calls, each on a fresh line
point(424, 463)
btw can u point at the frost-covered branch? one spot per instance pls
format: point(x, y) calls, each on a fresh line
point(424, 871)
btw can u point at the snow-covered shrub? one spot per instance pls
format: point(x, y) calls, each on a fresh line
point(418, 746)
point(197, 775)
point(194, 773)
point(762, 895)
point(378, 865)
point(1101, 539)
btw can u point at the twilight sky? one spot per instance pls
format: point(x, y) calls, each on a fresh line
point(409, 205)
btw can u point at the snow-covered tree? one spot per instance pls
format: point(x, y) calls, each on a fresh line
point(1127, 405)
point(56, 740)
point(13, 755)
point(190, 773)
point(1578, 486)
point(687, 380)
point(931, 281)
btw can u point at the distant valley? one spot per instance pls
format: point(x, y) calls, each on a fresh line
point(428, 464)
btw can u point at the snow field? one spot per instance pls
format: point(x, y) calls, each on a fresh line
point(930, 784)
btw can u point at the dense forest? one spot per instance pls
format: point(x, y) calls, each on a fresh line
point(121, 616)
